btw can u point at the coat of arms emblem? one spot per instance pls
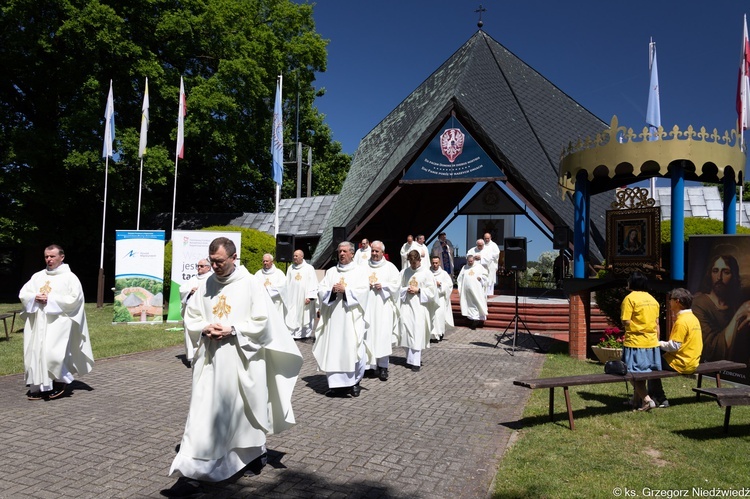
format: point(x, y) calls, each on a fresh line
point(452, 143)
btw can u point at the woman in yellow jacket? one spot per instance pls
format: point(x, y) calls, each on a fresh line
point(640, 316)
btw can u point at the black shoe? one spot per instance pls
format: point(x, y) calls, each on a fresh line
point(355, 390)
point(383, 374)
point(184, 487)
point(473, 325)
point(415, 368)
point(371, 373)
point(256, 465)
point(337, 392)
point(35, 395)
point(58, 390)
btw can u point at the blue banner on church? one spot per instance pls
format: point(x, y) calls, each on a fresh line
point(453, 155)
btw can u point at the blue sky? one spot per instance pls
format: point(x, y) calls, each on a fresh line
point(596, 52)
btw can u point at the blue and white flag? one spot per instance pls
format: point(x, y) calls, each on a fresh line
point(277, 137)
point(653, 110)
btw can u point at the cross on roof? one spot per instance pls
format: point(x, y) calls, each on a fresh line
point(480, 10)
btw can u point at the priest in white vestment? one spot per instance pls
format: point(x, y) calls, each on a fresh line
point(56, 343)
point(301, 293)
point(492, 254)
point(187, 290)
point(362, 256)
point(382, 310)
point(482, 257)
point(339, 345)
point(244, 373)
point(417, 305)
point(444, 313)
point(405, 249)
point(472, 285)
point(421, 248)
point(273, 280)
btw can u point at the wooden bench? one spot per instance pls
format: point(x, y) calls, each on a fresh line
point(727, 397)
point(8, 315)
point(565, 382)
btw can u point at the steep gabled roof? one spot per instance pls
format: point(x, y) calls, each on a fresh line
point(518, 117)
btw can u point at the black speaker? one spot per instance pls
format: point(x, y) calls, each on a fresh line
point(339, 235)
point(284, 247)
point(560, 237)
point(515, 253)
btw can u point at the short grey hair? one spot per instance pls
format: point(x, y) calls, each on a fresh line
point(346, 243)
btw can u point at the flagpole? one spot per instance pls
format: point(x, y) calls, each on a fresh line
point(276, 212)
point(140, 190)
point(100, 288)
point(109, 138)
point(174, 197)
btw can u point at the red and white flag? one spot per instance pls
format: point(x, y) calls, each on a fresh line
point(181, 122)
point(743, 84)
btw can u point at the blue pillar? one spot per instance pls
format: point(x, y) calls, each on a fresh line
point(678, 223)
point(581, 200)
point(730, 204)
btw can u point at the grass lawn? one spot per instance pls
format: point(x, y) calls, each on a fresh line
point(107, 339)
point(614, 449)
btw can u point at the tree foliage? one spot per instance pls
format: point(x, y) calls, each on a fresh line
point(58, 58)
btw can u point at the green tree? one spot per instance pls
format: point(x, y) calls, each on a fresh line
point(58, 58)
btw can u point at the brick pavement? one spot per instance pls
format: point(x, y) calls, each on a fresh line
point(438, 433)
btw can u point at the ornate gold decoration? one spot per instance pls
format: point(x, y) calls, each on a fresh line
point(45, 290)
point(221, 308)
point(297, 276)
point(471, 272)
point(632, 197)
point(413, 283)
point(373, 278)
point(267, 283)
point(618, 150)
point(342, 282)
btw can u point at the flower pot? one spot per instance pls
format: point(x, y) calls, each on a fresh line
point(605, 354)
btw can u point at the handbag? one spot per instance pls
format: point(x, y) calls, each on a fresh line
point(616, 367)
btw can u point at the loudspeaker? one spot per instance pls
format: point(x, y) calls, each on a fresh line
point(284, 247)
point(560, 237)
point(515, 253)
point(339, 235)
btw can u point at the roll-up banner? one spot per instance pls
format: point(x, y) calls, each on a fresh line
point(139, 277)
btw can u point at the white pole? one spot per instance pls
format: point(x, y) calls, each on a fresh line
point(276, 212)
point(104, 212)
point(174, 197)
point(140, 188)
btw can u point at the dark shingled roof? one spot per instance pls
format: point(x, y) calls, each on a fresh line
point(303, 217)
point(518, 117)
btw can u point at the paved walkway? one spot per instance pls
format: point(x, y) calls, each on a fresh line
point(439, 433)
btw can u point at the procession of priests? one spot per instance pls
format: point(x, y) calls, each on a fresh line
point(241, 329)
